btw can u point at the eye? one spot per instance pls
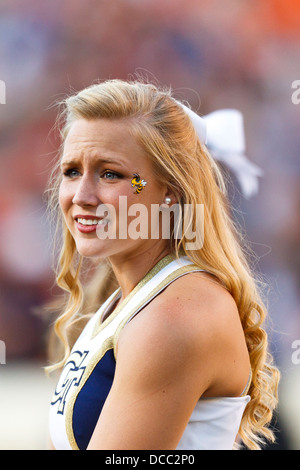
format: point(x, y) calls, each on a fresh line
point(71, 173)
point(111, 175)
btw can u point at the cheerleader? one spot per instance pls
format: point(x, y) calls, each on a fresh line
point(173, 354)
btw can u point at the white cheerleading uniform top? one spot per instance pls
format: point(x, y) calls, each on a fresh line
point(87, 377)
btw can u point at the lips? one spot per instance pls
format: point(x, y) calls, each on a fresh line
point(88, 223)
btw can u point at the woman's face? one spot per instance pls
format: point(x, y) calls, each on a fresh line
point(99, 161)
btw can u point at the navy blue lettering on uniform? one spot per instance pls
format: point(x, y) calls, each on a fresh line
point(73, 378)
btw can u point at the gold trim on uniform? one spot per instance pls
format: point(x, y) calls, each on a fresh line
point(106, 346)
point(158, 267)
point(110, 343)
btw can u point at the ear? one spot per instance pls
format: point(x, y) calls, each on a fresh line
point(174, 196)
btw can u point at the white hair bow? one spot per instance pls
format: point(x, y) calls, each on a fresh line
point(223, 133)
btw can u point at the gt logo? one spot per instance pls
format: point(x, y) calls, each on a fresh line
point(71, 376)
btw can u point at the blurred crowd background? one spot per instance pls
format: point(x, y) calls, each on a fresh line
point(242, 54)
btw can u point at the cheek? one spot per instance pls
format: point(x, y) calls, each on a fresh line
point(124, 191)
point(65, 197)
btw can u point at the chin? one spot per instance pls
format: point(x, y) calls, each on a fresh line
point(91, 250)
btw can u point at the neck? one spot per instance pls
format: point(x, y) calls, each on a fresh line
point(130, 269)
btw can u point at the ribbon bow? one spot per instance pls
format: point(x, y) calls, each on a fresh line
point(222, 132)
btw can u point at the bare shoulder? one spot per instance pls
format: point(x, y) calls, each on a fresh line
point(194, 305)
point(194, 322)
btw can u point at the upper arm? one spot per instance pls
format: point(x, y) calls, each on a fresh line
point(152, 397)
point(165, 362)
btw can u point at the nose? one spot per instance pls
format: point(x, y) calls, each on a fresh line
point(86, 192)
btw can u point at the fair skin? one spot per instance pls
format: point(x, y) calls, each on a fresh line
point(187, 341)
point(91, 182)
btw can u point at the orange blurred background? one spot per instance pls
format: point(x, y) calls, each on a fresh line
point(240, 54)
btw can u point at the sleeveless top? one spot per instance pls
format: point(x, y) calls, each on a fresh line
point(87, 376)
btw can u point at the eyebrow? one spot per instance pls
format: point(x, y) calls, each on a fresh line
point(74, 162)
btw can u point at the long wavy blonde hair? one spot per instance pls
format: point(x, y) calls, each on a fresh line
point(168, 138)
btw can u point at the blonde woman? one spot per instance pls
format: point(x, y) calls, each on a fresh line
point(174, 355)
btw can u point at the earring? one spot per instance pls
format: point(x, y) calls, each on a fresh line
point(166, 202)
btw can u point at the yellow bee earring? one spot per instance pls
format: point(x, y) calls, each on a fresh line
point(137, 183)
